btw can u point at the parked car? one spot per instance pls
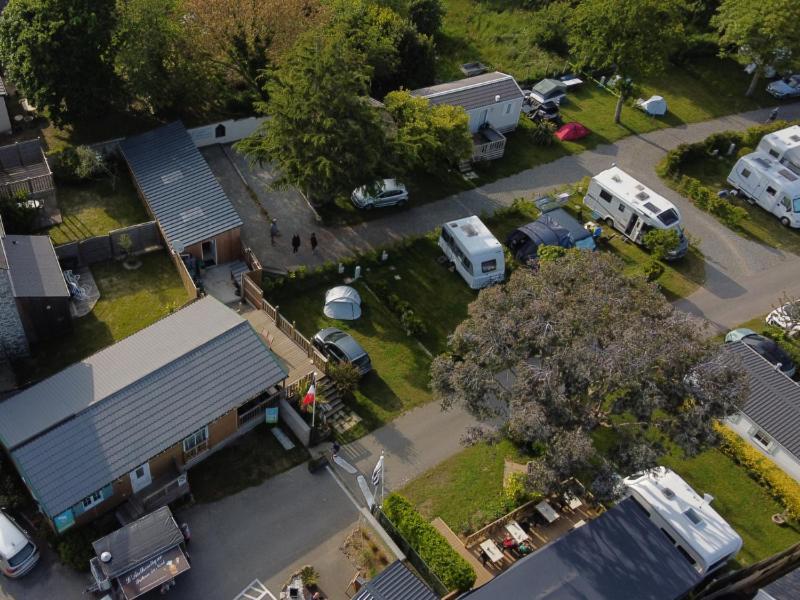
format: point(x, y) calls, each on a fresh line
point(781, 317)
point(18, 552)
point(545, 111)
point(768, 349)
point(342, 347)
point(387, 192)
point(788, 87)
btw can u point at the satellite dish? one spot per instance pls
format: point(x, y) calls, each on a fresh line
point(497, 98)
point(105, 556)
point(179, 247)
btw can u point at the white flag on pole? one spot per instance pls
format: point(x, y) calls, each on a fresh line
point(377, 471)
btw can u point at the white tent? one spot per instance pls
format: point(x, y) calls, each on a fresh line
point(342, 302)
point(655, 105)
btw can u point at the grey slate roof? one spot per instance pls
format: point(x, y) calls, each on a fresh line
point(178, 185)
point(473, 92)
point(773, 402)
point(786, 587)
point(621, 555)
point(100, 418)
point(396, 582)
point(33, 265)
point(22, 160)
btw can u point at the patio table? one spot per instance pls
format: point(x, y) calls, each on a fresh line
point(572, 501)
point(516, 532)
point(492, 551)
point(547, 511)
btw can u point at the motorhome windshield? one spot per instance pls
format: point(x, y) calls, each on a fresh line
point(669, 217)
point(796, 205)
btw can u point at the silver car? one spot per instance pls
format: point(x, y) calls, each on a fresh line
point(342, 347)
point(387, 192)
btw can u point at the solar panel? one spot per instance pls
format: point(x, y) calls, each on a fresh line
point(651, 207)
point(788, 174)
point(795, 138)
point(763, 162)
point(470, 230)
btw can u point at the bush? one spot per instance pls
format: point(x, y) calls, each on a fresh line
point(451, 569)
point(409, 321)
point(550, 253)
point(661, 242)
point(18, 217)
point(74, 547)
point(77, 163)
point(705, 199)
point(345, 377)
point(782, 487)
point(542, 133)
point(652, 269)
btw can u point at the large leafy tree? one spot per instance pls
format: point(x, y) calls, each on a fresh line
point(59, 54)
point(322, 130)
point(633, 38)
point(762, 33)
point(590, 367)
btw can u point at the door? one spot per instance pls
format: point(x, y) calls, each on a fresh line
point(634, 221)
point(210, 252)
point(140, 478)
point(484, 116)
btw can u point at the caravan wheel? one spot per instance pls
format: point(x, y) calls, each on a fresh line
point(785, 221)
point(609, 221)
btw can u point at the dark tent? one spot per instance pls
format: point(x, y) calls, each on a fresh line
point(555, 228)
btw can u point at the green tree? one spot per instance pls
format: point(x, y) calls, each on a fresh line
point(762, 33)
point(18, 215)
point(59, 54)
point(661, 242)
point(427, 16)
point(427, 137)
point(634, 38)
point(322, 131)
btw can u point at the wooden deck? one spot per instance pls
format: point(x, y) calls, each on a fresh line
point(482, 575)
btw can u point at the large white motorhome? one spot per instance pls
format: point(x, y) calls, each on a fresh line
point(631, 208)
point(763, 180)
point(475, 252)
point(783, 146)
point(698, 531)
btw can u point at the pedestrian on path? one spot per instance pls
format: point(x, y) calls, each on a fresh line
point(295, 243)
point(314, 243)
point(773, 115)
point(273, 231)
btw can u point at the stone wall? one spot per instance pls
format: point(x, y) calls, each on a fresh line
point(13, 342)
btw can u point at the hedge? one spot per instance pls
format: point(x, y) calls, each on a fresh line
point(451, 569)
point(707, 200)
point(761, 468)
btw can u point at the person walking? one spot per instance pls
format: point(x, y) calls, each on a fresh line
point(314, 243)
point(273, 231)
point(295, 243)
point(773, 116)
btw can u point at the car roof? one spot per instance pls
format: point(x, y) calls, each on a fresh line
point(12, 540)
point(347, 344)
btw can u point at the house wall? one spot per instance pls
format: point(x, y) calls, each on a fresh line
point(229, 246)
point(502, 116)
point(232, 130)
point(44, 318)
point(13, 341)
point(785, 460)
point(5, 121)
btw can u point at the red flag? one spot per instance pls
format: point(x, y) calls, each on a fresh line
point(309, 397)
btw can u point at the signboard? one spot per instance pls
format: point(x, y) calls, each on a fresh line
point(271, 415)
point(153, 573)
point(64, 521)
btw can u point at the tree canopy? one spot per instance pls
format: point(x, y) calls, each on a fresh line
point(631, 37)
point(591, 368)
point(59, 54)
point(763, 33)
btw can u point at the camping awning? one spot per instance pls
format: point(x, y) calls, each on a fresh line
point(342, 302)
point(549, 88)
point(153, 573)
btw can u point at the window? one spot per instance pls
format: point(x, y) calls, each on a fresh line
point(196, 441)
point(488, 266)
point(606, 196)
point(773, 153)
point(140, 472)
point(669, 217)
point(219, 131)
point(692, 515)
point(686, 555)
point(92, 500)
point(621, 207)
point(786, 203)
point(669, 537)
point(762, 438)
point(719, 563)
point(508, 108)
point(446, 236)
point(467, 264)
point(771, 190)
point(745, 173)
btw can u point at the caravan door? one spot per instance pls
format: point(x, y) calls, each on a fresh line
point(637, 229)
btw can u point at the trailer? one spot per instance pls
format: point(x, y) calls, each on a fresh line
point(770, 184)
point(474, 251)
point(783, 146)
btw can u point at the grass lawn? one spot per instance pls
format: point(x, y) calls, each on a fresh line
point(246, 462)
point(95, 208)
point(740, 500)
point(129, 301)
point(464, 489)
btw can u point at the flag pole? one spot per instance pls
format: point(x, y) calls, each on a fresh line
point(314, 405)
point(383, 471)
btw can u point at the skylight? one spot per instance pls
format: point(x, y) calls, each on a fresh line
point(692, 515)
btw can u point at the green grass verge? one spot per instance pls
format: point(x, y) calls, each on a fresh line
point(95, 208)
point(246, 462)
point(129, 301)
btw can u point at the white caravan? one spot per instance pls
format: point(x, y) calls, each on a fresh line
point(784, 146)
point(698, 531)
point(631, 208)
point(763, 180)
point(475, 252)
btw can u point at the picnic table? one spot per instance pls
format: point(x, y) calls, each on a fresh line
point(573, 501)
point(516, 532)
point(547, 511)
point(572, 82)
point(492, 551)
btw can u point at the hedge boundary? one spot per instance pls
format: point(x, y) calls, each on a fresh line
point(449, 566)
point(782, 487)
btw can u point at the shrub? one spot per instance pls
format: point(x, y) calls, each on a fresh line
point(77, 163)
point(652, 269)
point(661, 242)
point(451, 569)
point(18, 217)
point(345, 377)
point(542, 133)
point(550, 253)
point(309, 576)
point(782, 487)
point(74, 547)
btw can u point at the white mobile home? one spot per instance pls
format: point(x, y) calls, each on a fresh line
point(475, 252)
point(763, 180)
point(698, 531)
point(783, 146)
point(631, 208)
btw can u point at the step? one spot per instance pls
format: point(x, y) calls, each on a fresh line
point(282, 438)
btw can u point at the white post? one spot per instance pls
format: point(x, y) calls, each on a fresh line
point(383, 471)
point(314, 405)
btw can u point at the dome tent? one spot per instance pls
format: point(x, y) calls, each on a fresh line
point(342, 302)
point(654, 105)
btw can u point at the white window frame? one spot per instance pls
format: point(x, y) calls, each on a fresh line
point(92, 500)
point(196, 439)
point(760, 433)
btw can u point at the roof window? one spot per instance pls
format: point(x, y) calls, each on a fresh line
point(692, 515)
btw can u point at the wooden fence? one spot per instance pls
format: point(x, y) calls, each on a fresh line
point(183, 273)
point(145, 237)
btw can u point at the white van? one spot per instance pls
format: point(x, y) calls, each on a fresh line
point(475, 252)
point(632, 209)
point(783, 146)
point(18, 553)
point(764, 181)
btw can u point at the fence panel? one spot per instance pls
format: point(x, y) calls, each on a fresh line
point(68, 251)
point(186, 278)
point(95, 249)
point(143, 236)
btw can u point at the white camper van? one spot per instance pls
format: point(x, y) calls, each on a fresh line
point(783, 146)
point(475, 252)
point(629, 207)
point(698, 531)
point(763, 180)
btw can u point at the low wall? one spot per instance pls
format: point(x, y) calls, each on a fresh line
point(144, 236)
point(295, 422)
point(224, 132)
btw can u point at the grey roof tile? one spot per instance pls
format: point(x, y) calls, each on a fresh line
point(178, 185)
point(34, 268)
point(473, 92)
point(396, 582)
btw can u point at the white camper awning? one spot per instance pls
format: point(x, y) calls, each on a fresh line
point(342, 302)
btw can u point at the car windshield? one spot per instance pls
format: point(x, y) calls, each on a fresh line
point(796, 205)
point(336, 335)
point(21, 556)
point(669, 217)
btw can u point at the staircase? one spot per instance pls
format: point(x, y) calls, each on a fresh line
point(334, 411)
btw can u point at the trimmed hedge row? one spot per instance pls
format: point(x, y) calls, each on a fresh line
point(782, 487)
point(451, 569)
point(706, 200)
